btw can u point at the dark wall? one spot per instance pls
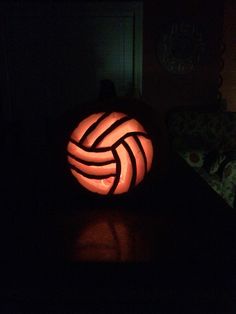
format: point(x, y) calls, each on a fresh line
point(229, 71)
point(54, 54)
point(32, 56)
point(42, 53)
point(165, 90)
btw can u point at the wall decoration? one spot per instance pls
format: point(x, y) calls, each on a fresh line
point(181, 47)
point(109, 153)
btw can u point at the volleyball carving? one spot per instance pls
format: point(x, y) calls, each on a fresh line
point(109, 153)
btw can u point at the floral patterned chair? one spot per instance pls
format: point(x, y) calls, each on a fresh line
point(207, 142)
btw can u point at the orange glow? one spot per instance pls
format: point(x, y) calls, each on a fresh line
point(104, 241)
point(140, 165)
point(106, 169)
point(147, 146)
point(126, 171)
point(84, 125)
point(114, 136)
point(109, 153)
point(89, 156)
point(94, 185)
point(103, 126)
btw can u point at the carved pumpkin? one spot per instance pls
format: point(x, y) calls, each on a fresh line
point(109, 153)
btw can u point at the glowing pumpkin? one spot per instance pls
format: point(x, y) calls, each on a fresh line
point(109, 153)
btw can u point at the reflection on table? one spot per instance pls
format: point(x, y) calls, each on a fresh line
point(111, 235)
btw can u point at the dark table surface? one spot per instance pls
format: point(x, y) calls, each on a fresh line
point(174, 242)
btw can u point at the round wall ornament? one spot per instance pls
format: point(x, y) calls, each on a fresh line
point(181, 47)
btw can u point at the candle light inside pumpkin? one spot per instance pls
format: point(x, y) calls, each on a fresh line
point(109, 153)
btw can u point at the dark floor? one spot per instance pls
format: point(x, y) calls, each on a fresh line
point(168, 246)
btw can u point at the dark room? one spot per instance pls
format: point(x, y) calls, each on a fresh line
point(118, 152)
